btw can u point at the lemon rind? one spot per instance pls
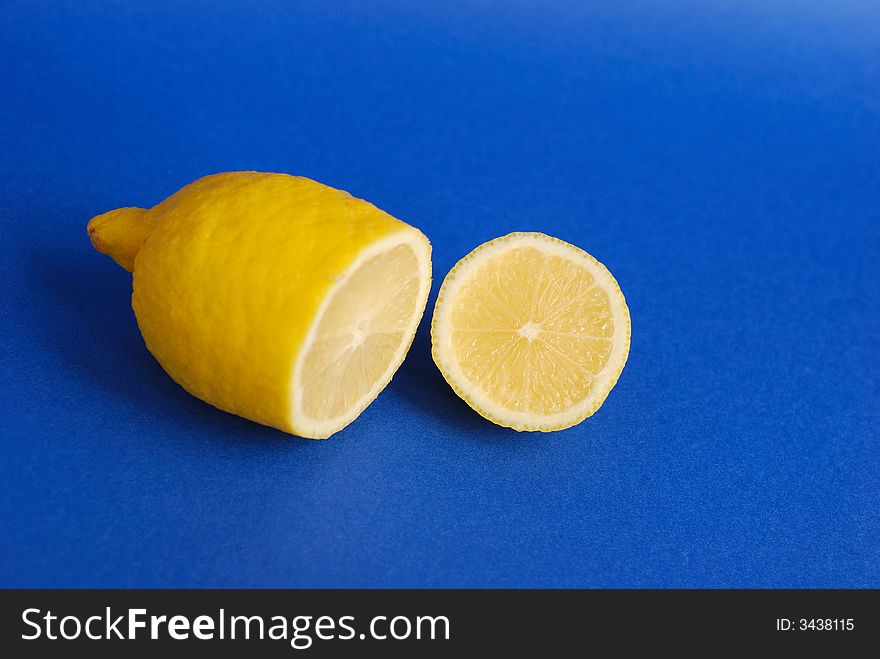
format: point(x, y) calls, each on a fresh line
point(442, 355)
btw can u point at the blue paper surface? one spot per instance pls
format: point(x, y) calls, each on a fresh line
point(722, 159)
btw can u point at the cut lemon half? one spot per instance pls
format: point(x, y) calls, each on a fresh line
point(271, 296)
point(531, 332)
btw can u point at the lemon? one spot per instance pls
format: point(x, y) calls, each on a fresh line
point(531, 332)
point(271, 296)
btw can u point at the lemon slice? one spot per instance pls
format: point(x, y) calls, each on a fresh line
point(361, 335)
point(531, 332)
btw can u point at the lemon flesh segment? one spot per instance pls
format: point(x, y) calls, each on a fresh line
point(531, 332)
point(361, 335)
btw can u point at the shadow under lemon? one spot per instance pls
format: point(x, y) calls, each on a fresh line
point(91, 328)
point(420, 382)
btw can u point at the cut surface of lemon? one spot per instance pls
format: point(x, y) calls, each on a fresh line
point(361, 334)
point(531, 332)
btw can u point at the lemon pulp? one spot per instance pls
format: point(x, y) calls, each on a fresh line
point(361, 336)
point(532, 332)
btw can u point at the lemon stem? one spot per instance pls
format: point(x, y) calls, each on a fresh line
point(120, 234)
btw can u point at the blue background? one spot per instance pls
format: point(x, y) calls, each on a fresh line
point(723, 161)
